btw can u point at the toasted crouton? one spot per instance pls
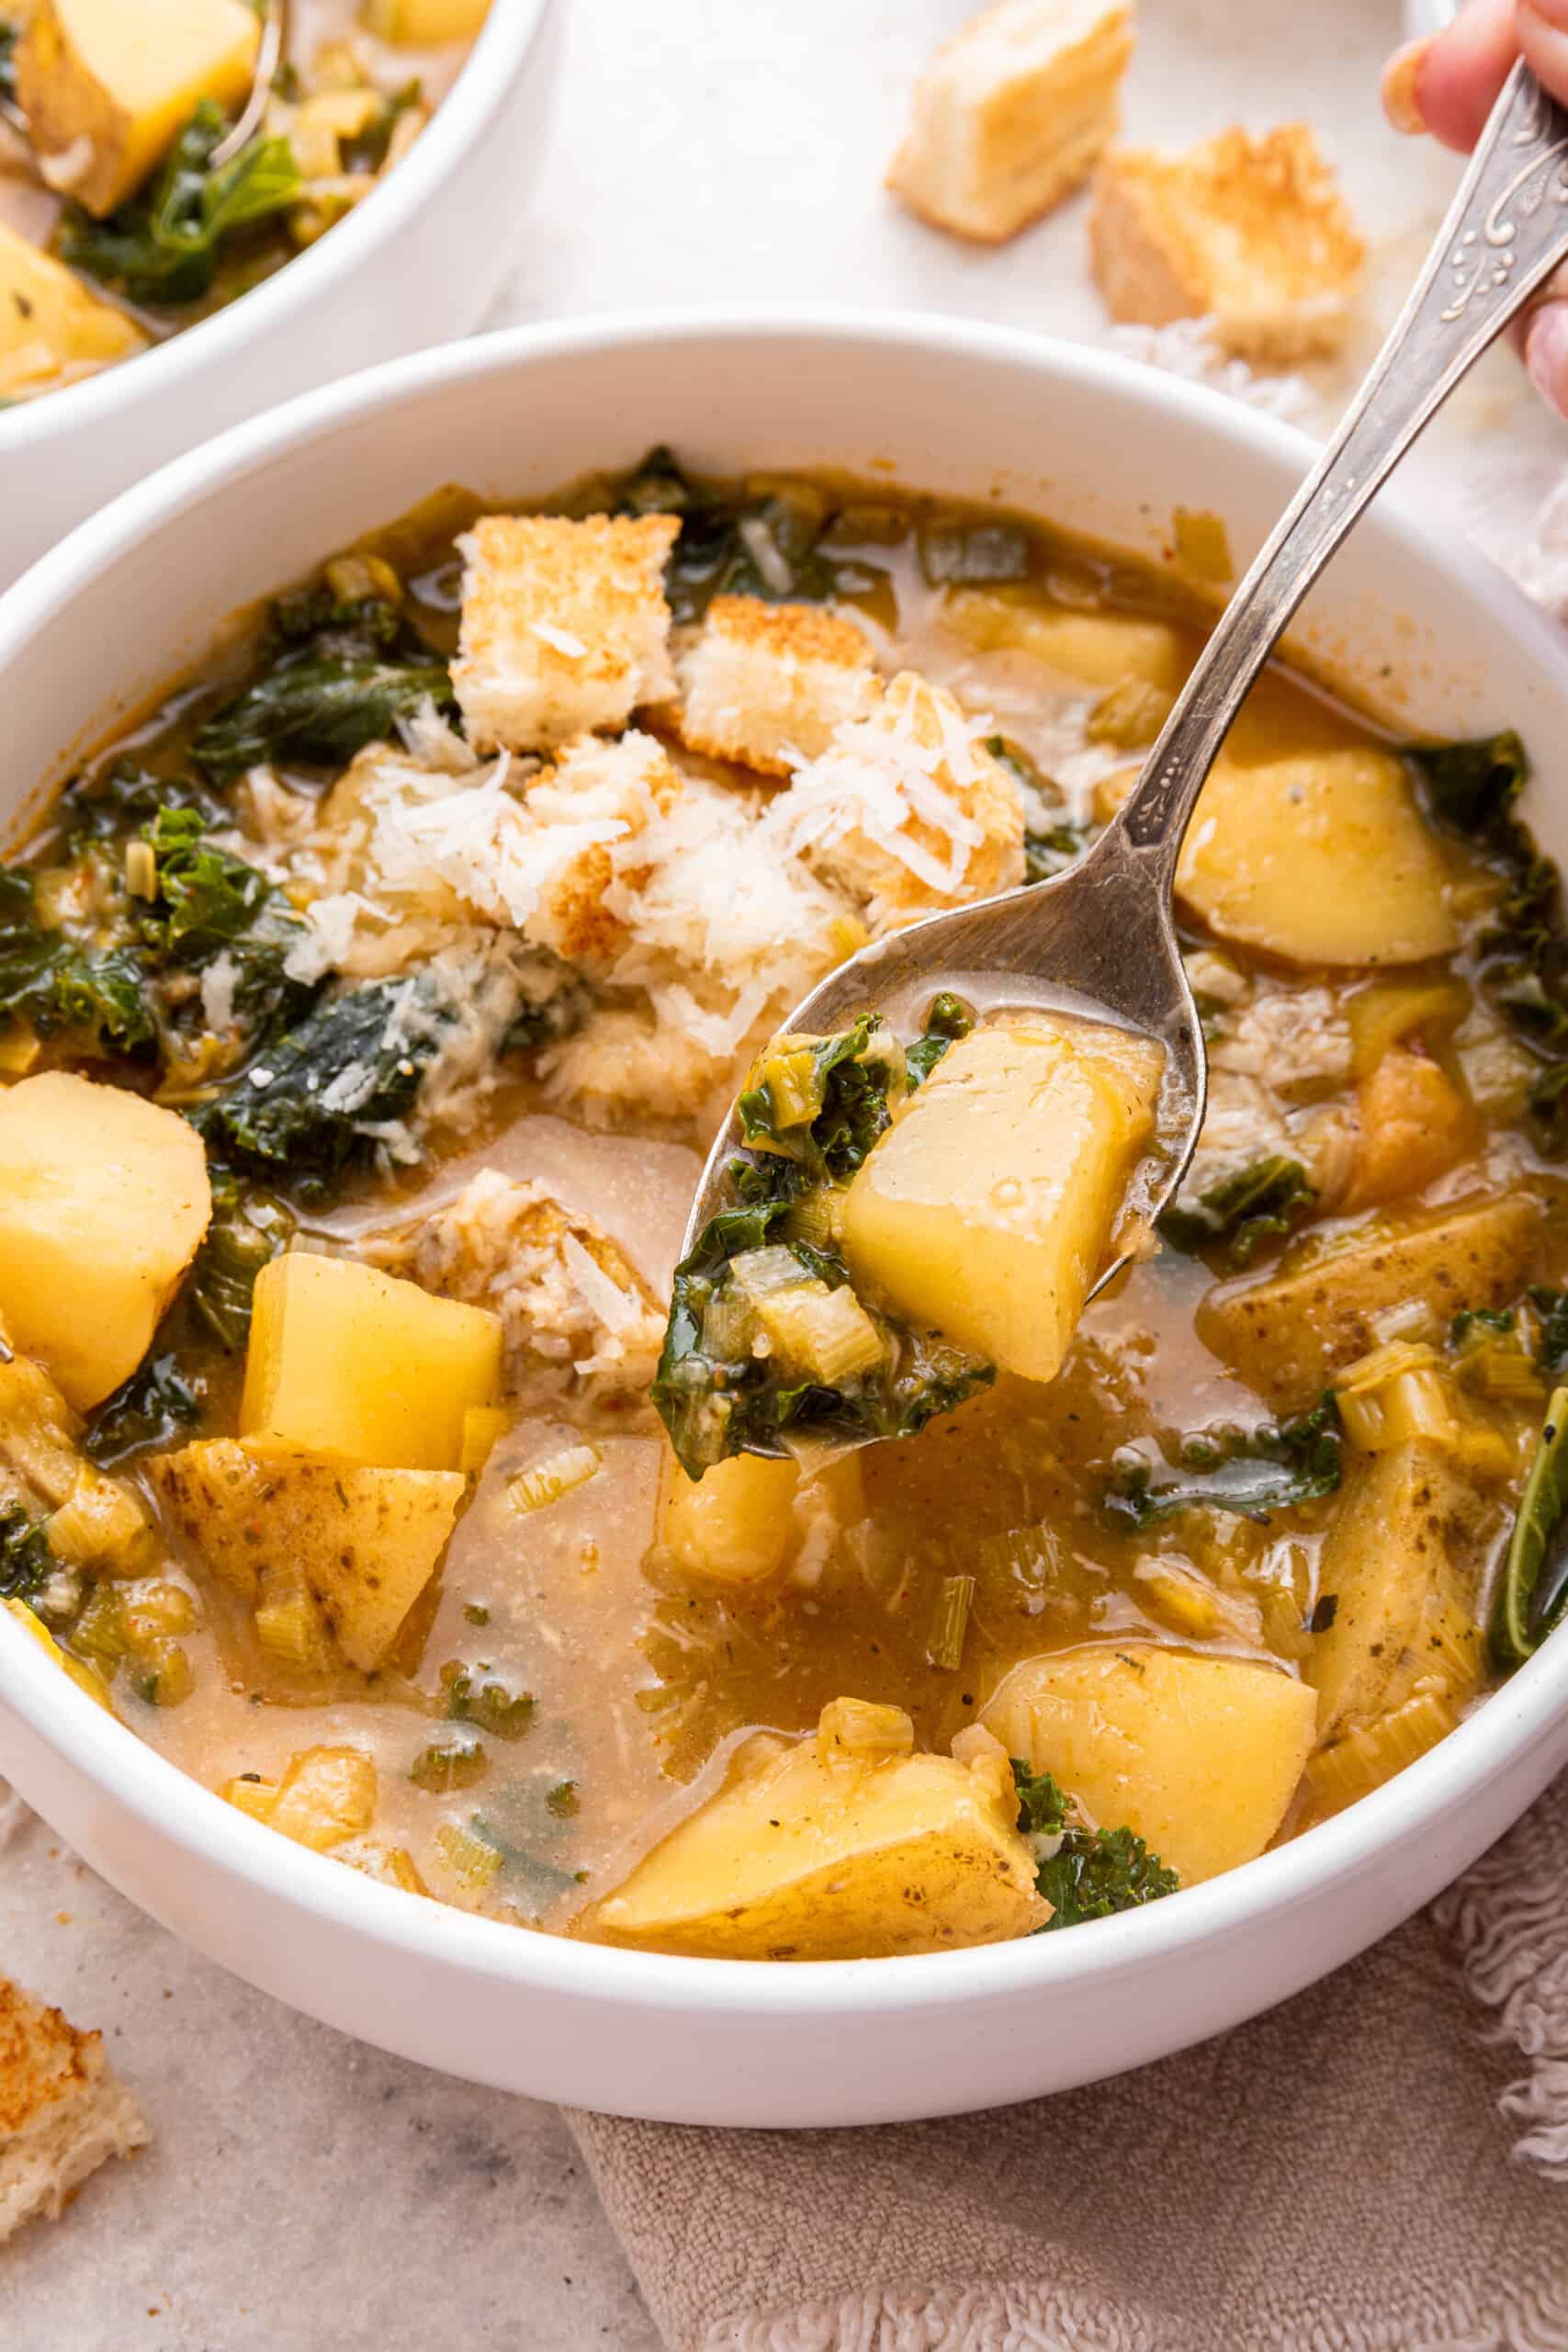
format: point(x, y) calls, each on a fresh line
point(1011, 116)
point(62, 2112)
point(565, 627)
point(907, 810)
point(1251, 233)
point(571, 1304)
point(624, 782)
point(766, 684)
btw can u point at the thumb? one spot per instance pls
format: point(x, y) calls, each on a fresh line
point(1541, 337)
point(1449, 83)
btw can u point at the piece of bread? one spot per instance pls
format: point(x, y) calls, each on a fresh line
point(907, 810)
point(1010, 115)
point(622, 785)
point(61, 2110)
point(765, 682)
point(565, 627)
point(1251, 233)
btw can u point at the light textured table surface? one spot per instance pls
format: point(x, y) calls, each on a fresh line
point(303, 2191)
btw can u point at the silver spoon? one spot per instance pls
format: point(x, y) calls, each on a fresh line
point(1103, 929)
point(269, 50)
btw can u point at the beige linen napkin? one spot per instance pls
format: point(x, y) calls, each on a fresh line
point(1354, 2172)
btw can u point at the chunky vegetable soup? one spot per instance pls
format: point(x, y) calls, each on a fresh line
point(126, 209)
point(367, 1006)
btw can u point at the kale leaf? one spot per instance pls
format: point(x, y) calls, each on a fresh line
point(947, 1020)
point(1251, 1472)
point(765, 545)
point(1533, 1591)
point(153, 1408)
point(208, 904)
point(248, 1229)
point(815, 1110)
point(162, 246)
point(1095, 1872)
point(1551, 1338)
point(1523, 955)
point(1044, 852)
point(319, 710)
point(1089, 1873)
point(56, 986)
point(1242, 1211)
point(26, 1561)
point(356, 1062)
point(110, 806)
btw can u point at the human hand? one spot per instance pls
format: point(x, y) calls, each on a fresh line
point(1448, 85)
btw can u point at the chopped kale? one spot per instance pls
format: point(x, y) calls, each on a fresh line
point(56, 986)
point(152, 1408)
point(1533, 1590)
point(813, 1111)
point(10, 34)
point(111, 806)
point(247, 1230)
point(366, 150)
point(1472, 1320)
point(162, 247)
point(766, 544)
point(319, 711)
point(1089, 1874)
point(1552, 1338)
point(355, 1062)
point(1523, 955)
point(1251, 1472)
point(26, 1561)
point(1095, 1872)
point(207, 903)
point(1242, 1211)
point(1044, 852)
point(948, 1019)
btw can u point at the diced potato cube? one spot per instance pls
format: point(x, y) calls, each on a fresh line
point(104, 1199)
point(365, 1542)
point(423, 24)
point(106, 86)
point(1410, 1527)
point(38, 1431)
point(346, 1360)
point(988, 1209)
point(52, 329)
point(823, 1849)
point(1320, 1309)
point(1091, 648)
point(325, 1795)
point(1199, 1756)
point(1412, 1126)
point(1320, 858)
point(734, 1528)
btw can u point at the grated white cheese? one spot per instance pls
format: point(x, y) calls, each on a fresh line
point(561, 639)
point(218, 984)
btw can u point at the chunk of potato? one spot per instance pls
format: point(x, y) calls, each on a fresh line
point(1088, 648)
point(988, 1209)
point(106, 84)
point(344, 1359)
point(104, 1200)
point(423, 24)
point(1318, 1310)
point(1413, 1124)
point(81, 1674)
point(365, 1541)
point(39, 1452)
point(325, 1795)
point(1199, 1756)
point(52, 329)
point(1410, 1530)
point(735, 1526)
point(841, 1845)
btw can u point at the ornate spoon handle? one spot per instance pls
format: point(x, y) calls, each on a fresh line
point(1506, 229)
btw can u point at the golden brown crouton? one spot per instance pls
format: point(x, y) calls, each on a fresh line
point(62, 2112)
point(565, 626)
point(1250, 232)
point(766, 684)
point(907, 810)
point(623, 783)
point(1009, 117)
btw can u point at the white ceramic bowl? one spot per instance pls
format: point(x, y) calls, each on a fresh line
point(1098, 444)
point(413, 264)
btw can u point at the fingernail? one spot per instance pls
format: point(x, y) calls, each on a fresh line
point(1398, 89)
point(1546, 355)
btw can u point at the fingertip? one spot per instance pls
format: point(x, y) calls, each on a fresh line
point(1546, 355)
point(1454, 82)
point(1399, 89)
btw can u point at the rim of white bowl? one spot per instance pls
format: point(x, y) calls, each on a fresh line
point(1515, 1720)
point(497, 56)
